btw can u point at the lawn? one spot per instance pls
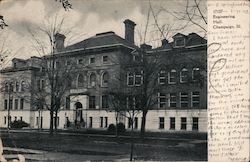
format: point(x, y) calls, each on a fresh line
point(166, 148)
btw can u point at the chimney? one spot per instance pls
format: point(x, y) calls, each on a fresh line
point(129, 30)
point(164, 42)
point(59, 42)
point(146, 47)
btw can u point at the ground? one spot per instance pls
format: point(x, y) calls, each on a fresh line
point(76, 146)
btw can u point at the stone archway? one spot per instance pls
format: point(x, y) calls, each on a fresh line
point(78, 107)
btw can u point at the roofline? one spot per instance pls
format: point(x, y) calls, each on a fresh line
point(18, 69)
point(95, 47)
point(186, 47)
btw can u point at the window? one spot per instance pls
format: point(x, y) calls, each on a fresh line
point(16, 104)
point(195, 99)
point(195, 74)
point(11, 104)
point(104, 58)
point(161, 100)
point(162, 77)
point(5, 104)
point(138, 78)
point(195, 123)
point(105, 101)
point(11, 87)
point(80, 80)
point(67, 104)
point(183, 123)
point(105, 79)
point(179, 42)
point(80, 61)
point(42, 69)
point(38, 85)
point(21, 103)
point(22, 86)
point(68, 62)
point(92, 60)
point(161, 122)
point(90, 122)
point(130, 79)
point(92, 80)
point(42, 84)
point(6, 87)
point(5, 120)
point(172, 76)
point(57, 64)
point(184, 75)
point(172, 100)
point(17, 86)
point(92, 102)
point(172, 123)
point(130, 102)
point(184, 99)
point(106, 122)
point(101, 122)
point(136, 122)
point(130, 122)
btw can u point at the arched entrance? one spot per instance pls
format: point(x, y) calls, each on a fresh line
point(78, 115)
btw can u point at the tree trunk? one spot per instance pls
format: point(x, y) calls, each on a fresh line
point(56, 113)
point(51, 122)
point(143, 123)
point(116, 122)
point(132, 141)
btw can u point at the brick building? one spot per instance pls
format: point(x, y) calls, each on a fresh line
point(181, 97)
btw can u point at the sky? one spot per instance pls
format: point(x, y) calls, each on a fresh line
point(85, 19)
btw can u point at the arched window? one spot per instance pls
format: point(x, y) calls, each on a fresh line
point(17, 86)
point(6, 87)
point(92, 80)
point(22, 86)
point(130, 79)
point(80, 80)
point(196, 74)
point(11, 87)
point(172, 76)
point(105, 79)
point(184, 75)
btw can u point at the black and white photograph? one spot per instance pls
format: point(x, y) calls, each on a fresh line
point(103, 80)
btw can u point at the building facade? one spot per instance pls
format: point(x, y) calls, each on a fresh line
point(181, 93)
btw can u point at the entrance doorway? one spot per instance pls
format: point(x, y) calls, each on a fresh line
point(79, 122)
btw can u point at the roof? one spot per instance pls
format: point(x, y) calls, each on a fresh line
point(100, 40)
point(192, 40)
point(12, 69)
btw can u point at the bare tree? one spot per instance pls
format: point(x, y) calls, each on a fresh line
point(192, 14)
point(65, 3)
point(55, 76)
point(2, 22)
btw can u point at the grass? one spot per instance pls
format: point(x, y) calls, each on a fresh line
point(86, 144)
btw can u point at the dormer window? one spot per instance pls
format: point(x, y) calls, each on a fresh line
point(68, 62)
point(80, 61)
point(92, 60)
point(179, 42)
point(104, 58)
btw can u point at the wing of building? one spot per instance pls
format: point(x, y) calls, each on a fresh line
point(90, 68)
